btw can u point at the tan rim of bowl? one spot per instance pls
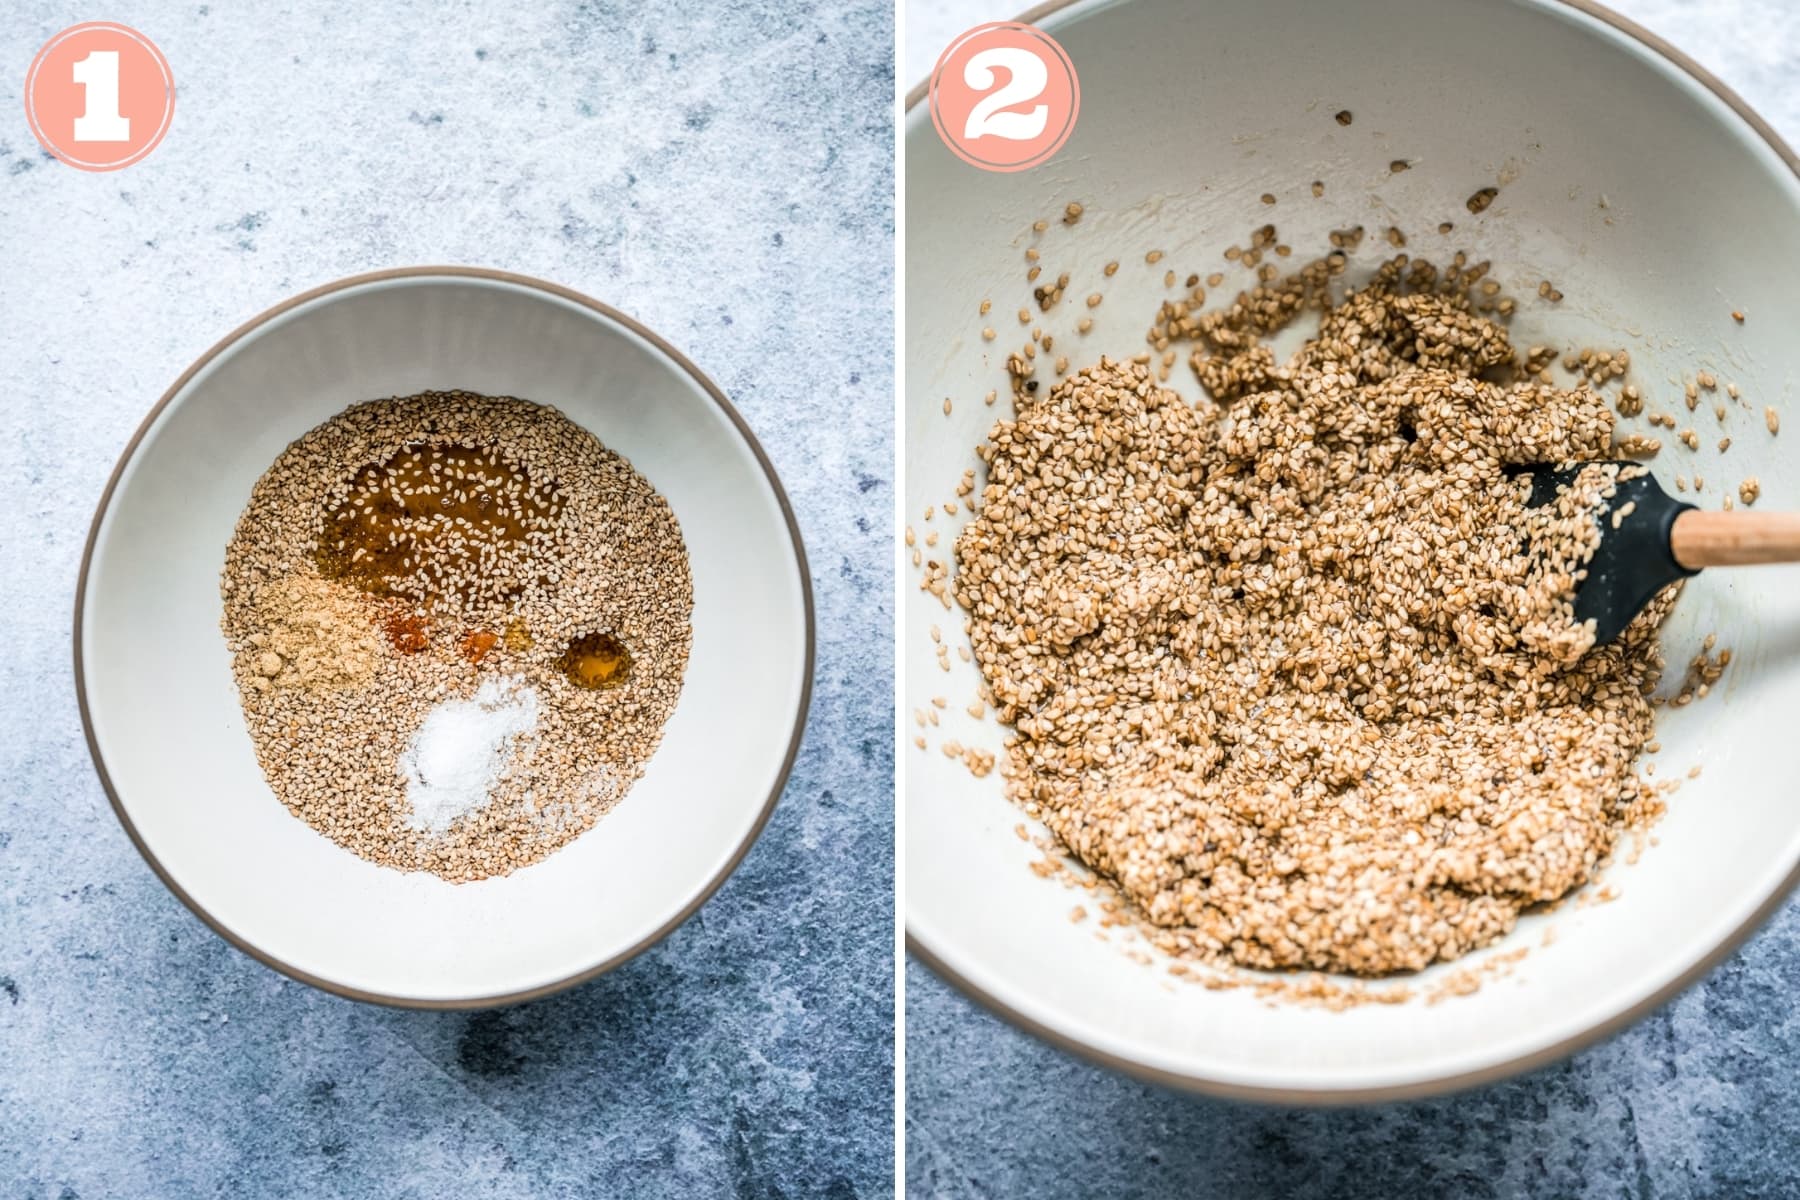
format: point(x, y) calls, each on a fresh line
point(1523, 1063)
point(725, 406)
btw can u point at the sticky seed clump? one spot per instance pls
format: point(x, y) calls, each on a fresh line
point(1297, 669)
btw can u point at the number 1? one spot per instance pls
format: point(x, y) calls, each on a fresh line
point(98, 75)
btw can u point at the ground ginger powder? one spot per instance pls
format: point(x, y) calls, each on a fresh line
point(316, 634)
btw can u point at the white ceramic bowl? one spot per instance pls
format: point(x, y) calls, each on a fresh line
point(1645, 191)
point(162, 713)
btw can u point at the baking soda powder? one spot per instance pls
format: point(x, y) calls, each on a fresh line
point(462, 749)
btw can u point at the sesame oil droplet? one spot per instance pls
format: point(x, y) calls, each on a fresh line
point(595, 661)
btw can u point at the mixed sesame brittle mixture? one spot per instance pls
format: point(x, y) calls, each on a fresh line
point(1297, 668)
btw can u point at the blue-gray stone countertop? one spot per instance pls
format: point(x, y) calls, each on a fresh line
point(722, 172)
point(1700, 1100)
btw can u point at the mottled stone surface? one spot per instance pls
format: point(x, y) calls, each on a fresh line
point(723, 173)
point(1700, 1100)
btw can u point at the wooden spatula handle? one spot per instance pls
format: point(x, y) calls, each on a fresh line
point(1733, 539)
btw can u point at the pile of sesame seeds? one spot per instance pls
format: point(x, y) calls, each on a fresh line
point(1297, 670)
point(518, 535)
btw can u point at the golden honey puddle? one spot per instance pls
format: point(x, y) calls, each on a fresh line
point(435, 520)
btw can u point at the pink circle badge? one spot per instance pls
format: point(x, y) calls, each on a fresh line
point(1004, 96)
point(99, 96)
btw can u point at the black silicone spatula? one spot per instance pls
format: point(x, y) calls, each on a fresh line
point(1659, 539)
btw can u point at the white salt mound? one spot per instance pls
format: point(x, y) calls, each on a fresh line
point(462, 748)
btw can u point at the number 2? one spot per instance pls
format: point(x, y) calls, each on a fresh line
point(1029, 76)
point(98, 75)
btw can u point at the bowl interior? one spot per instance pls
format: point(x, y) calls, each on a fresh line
point(164, 714)
point(1652, 204)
